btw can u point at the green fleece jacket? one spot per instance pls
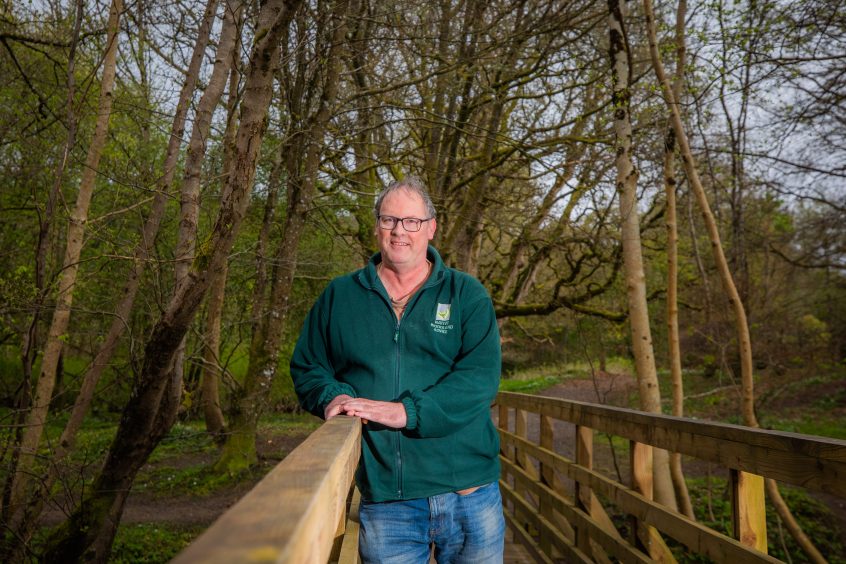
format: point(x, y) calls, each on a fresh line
point(441, 360)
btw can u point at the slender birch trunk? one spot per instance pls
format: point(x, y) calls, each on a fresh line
point(190, 193)
point(37, 416)
point(88, 533)
point(741, 323)
point(212, 369)
point(29, 346)
point(647, 377)
point(673, 340)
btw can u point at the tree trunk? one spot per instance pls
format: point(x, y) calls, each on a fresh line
point(37, 416)
point(240, 449)
point(212, 369)
point(89, 531)
point(190, 193)
point(744, 342)
point(647, 377)
point(29, 345)
point(673, 344)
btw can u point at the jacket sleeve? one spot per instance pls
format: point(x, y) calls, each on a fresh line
point(467, 391)
point(311, 366)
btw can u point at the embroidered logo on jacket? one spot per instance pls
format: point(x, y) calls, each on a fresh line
point(443, 312)
point(441, 323)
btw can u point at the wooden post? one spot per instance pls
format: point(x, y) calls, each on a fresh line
point(547, 476)
point(507, 452)
point(641, 482)
point(521, 429)
point(584, 496)
point(749, 515)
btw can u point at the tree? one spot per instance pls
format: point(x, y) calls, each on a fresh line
point(728, 283)
point(647, 376)
point(37, 416)
point(309, 120)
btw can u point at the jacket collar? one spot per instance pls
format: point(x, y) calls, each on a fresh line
point(368, 278)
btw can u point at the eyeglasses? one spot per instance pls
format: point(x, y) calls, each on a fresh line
point(409, 223)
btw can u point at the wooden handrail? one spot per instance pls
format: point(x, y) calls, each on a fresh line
point(816, 463)
point(296, 514)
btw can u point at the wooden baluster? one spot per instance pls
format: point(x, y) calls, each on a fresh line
point(749, 509)
point(547, 476)
point(641, 481)
point(521, 429)
point(508, 451)
point(584, 496)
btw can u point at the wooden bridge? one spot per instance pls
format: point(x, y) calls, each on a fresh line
point(305, 510)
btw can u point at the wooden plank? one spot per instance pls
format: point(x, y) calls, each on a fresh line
point(816, 463)
point(521, 536)
point(521, 429)
point(284, 518)
point(349, 546)
point(749, 514)
point(698, 538)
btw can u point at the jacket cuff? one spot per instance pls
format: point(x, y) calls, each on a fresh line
point(410, 414)
point(331, 392)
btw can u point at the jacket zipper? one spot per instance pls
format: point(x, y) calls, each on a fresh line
point(396, 393)
point(397, 445)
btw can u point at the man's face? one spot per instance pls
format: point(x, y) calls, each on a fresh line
point(400, 248)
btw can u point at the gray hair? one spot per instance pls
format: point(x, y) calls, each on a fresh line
point(411, 184)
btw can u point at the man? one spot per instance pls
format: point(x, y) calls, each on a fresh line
point(412, 348)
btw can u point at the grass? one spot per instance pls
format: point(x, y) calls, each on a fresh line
point(535, 379)
point(170, 470)
point(149, 543)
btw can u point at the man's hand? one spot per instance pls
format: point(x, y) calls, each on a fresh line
point(334, 408)
point(388, 413)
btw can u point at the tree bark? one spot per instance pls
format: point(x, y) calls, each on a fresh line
point(37, 416)
point(190, 193)
point(212, 369)
point(647, 377)
point(89, 531)
point(742, 327)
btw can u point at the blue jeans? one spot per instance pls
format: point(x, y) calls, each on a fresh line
point(463, 529)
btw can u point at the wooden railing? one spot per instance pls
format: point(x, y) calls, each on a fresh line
point(554, 507)
point(302, 512)
point(306, 509)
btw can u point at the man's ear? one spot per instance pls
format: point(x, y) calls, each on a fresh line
point(433, 226)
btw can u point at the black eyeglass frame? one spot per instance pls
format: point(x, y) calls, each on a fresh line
point(394, 220)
